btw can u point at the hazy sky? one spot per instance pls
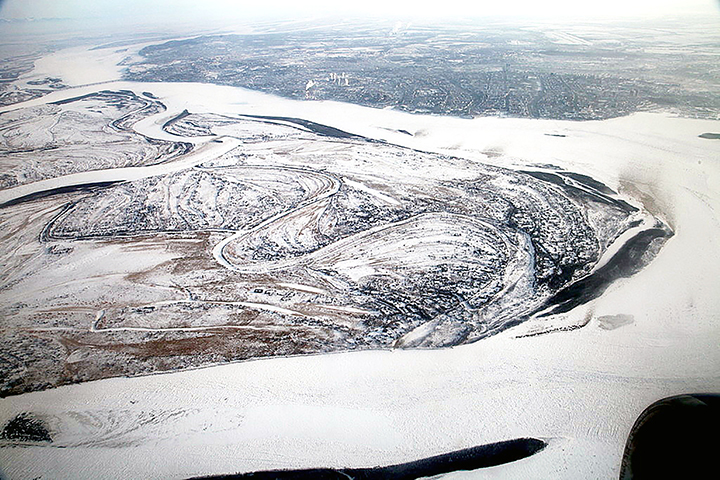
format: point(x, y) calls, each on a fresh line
point(239, 9)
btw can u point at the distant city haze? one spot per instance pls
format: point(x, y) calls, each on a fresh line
point(228, 10)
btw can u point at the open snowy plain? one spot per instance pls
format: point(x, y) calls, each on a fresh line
point(120, 266)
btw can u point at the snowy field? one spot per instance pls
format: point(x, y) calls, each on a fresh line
point(649, 336)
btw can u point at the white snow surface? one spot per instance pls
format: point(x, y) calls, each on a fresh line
point(579, 390)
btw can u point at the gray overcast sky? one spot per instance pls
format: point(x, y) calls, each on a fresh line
point(239, 9)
